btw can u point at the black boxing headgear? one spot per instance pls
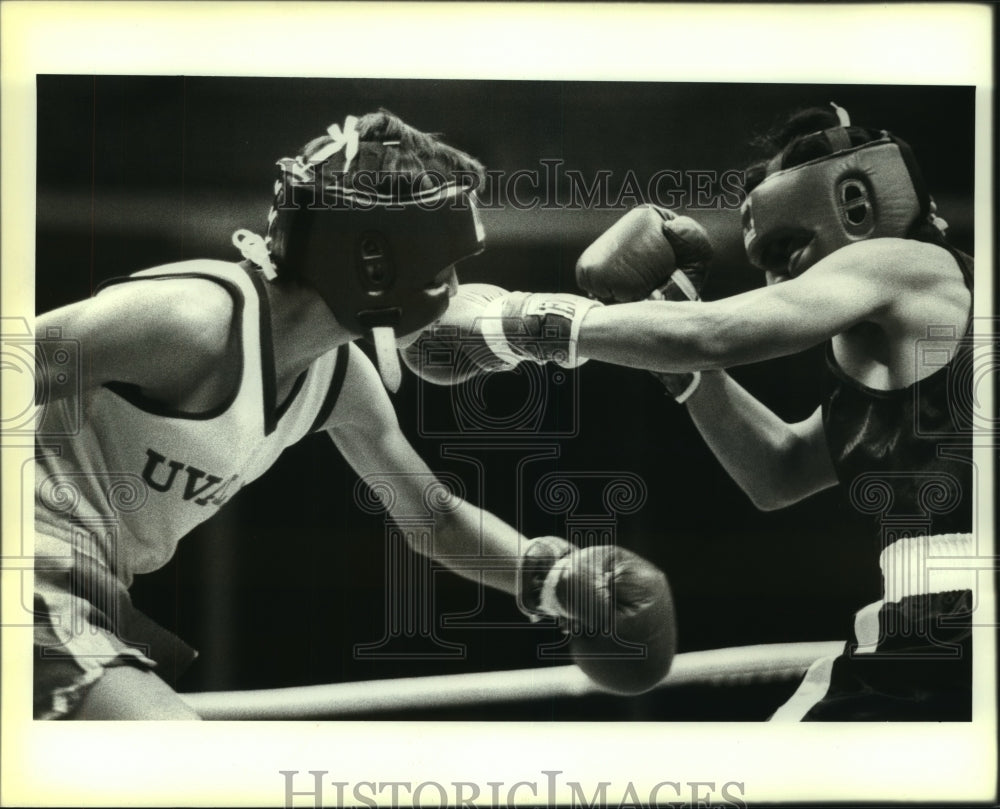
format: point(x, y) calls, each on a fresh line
point(373, 250)
point(866, 185)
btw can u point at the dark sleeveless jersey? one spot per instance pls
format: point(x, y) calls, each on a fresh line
point(905, 455)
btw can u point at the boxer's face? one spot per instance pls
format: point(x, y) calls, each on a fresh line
point(802, 256)
point(789, 255)
point(450, 277)
point(447, 278)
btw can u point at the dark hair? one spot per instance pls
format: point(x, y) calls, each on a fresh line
point(801, 122)
point(398, 159)
point(790, 139)
point(388, 145)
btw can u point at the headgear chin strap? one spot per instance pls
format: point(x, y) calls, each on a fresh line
point(857, 192)
point(375, 252)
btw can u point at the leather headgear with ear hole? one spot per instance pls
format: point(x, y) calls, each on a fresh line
point(373, 250)
point(855, 192)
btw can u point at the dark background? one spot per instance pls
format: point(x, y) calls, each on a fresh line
point(280, 586)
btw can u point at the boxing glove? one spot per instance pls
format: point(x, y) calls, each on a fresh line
point(640, 252)
point(452, 350)
point(536, 327)
point(616, 607)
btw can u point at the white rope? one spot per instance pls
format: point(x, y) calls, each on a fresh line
point(741, 665)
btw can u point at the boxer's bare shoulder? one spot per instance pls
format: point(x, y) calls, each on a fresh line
point(164, 335)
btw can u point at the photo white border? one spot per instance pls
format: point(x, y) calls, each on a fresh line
point(237, 764)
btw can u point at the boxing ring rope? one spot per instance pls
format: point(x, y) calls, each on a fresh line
point(739, 665)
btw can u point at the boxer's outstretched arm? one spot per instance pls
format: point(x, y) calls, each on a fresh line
point(758, 325)
point(894, 284)
point(365, 429)
point(863, 282)
point(604, 596)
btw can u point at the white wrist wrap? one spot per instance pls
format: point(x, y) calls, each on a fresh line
point(575, 360)
point(491, 328)
point(685, 394)
point(548, 601)
point(571, 308)
point(679, 277)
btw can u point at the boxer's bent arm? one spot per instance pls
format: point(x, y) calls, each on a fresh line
point(773, 462)
point(365, 429)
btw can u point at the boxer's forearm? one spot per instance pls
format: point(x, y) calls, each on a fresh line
point(477, 545)
point(761, 324)
point(773, 462)
point(656, 336)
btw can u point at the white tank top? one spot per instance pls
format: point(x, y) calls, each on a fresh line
point(124, 479)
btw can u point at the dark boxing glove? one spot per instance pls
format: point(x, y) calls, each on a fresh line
point(650, 253)
point(640, 252)
point(615, 605)
point(452, 350)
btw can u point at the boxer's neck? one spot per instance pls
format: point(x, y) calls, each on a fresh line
point(303, 329)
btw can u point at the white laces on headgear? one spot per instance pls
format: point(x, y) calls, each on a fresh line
point(254, 249)
point(346, 139)
point(936, 220)
point(842, 115)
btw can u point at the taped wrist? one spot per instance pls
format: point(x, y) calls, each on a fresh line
point(491, 327)
point(679, 386)
point(680, 287)
point(540, 568)
point(538, 327)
